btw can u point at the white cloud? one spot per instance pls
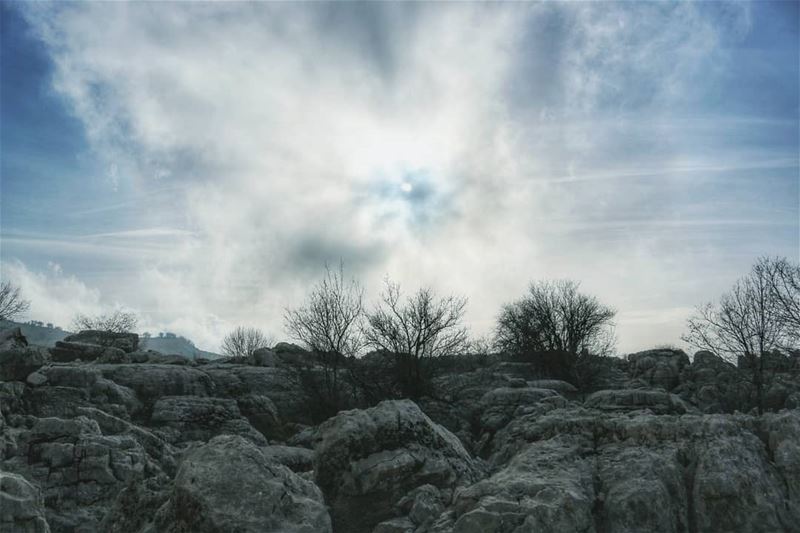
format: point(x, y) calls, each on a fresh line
point(299, 136)
point(54, 296)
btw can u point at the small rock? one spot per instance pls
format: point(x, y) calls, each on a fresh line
point(36, 379)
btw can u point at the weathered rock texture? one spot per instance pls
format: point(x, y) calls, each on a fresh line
point(367, 460)
point(119, 440)
point(230, 484)
point(21, 506)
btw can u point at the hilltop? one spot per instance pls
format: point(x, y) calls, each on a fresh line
point(48, 335)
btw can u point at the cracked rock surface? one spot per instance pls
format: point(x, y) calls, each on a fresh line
point(140, 442)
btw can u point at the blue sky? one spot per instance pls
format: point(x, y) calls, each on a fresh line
point(198, 163)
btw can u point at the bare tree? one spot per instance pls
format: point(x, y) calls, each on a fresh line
point(784, 279)
point(560, 330)
point(243, 341)
point(415, 330)
point(328, 324)
point(744, 326)
point(11, 302)
point(118, 321)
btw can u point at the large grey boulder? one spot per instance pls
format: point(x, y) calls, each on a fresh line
point(127, 342)
point(262, 414)
point(187, 418)
point(229, 484)
point(368, 460)
point(498, 407)
point(17, 362)
point(21, 506)
point(458, 396)
point(568, 390)
point(714, 385)
point(281, 385)
point(295, 458)
point(68, 351)
point(547, 487)
point(78, 469)
point(736, 489)
point(17, 358)
point(262, 357)
point(12, 338)
point(136, 506)
point(288, 354)
point(160, 451)
point(584, 470)
point(632, 399)
point(71, 386)
point(153, 381)
point(629, 479)
point(659, 368)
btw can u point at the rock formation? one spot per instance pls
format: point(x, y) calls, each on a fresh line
point(99, 436)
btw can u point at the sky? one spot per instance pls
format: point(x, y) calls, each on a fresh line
point(200, 163)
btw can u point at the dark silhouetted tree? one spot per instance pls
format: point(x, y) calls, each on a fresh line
point(416, 330)
point(784, 278)
point(561, 331)
point(118, 321)
point(329, 325)
point(243, 341)
point(12, 304)
point(750, 321)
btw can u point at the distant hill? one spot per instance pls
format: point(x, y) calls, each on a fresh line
point(48, 334)
point(38, 332)
point(176, 345)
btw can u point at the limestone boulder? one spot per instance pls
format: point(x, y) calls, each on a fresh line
point(229, 484)
point(127, 342)
point(634, 399)
point(262, 357)
point(546, 487)
point(367, 460)
point(498, 407)
point(21, 505)
point(281, 385)
point(262, 414)
point(17, 362)
point(714, 385)
point(12, 338)
point(69, 386)
point(193, 418)
point(568, 390)
point(78, 469)
point(296, 459)
point(153, 381)
point(658, 368)
point(69, 351)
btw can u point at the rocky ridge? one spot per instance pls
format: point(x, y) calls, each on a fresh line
point(97, 435)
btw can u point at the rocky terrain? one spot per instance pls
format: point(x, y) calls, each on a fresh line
point(97, 435)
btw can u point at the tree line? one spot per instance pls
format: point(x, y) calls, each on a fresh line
point(393, 348)
point(754, 322)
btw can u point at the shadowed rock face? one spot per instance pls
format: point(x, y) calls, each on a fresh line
point(230, 484)
point(21, 505)
point(658, 368)
point(587, 471)
point(127, 342)
point(625, 400)
point(145, 447)
point(368, 458)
